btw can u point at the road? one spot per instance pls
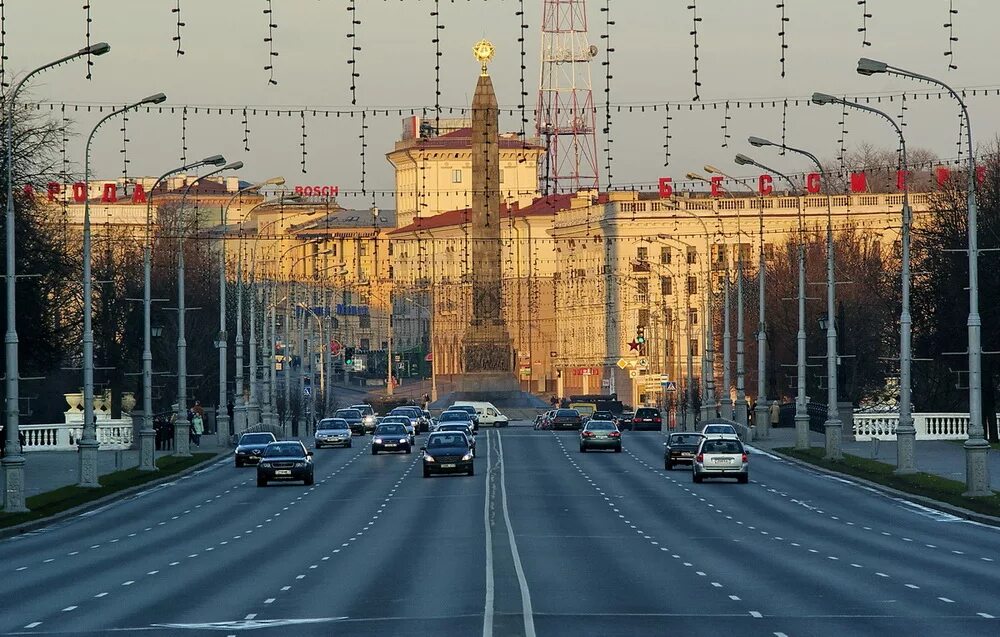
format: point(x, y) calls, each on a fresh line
point(542, 540)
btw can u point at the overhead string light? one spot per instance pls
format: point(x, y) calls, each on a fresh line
point(436, 41)
point(725, 127)
point(177, 38)
point(781, 35)
point(952, 39)
point(184, 143)
point(608, 50)
point(666, 136)
point(86, 12)
point(843, 138)
point(302, 143)
point(524, 93)
point(961, 135)
point(784, 125)
point(246, 131)
point(3, 47)
point(352, 37)
point(364, 149)
point(269, 40)
point(693, 7)
point(865, 17)
point(124, 149)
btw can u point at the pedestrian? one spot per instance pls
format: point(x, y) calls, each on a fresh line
point(230, 409)
point(553, 401)
point(775, 413)
point(197, 423)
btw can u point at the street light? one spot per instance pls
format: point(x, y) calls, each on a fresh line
point(13, 460)
point(181, 447)
point(430, 337)
point(833, 428)
point(88, 445)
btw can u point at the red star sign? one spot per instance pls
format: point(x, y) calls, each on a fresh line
point(634, 345)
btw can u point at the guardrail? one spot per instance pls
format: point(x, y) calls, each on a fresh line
point(116, 434)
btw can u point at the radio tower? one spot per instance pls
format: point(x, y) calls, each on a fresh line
point(566, 119)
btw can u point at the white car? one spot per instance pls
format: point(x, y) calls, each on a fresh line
point(721, 458)
point(719, 430)
point(332, 432)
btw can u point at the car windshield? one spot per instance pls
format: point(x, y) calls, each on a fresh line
point(284, 449)
point(461, 428)
point(350, 414)
point(390, 430)
point(332, 423)
point(454, 416)
point(567, 413)
point(722, 446)
point(685, 439)
point(602, 415)
point(469, 409)
point(584, 409)
point(647, 413)
point(447, 440)
point(364, 409)
point(719, 429)
point(256, 439)
point(403, 420)
point(600, 425)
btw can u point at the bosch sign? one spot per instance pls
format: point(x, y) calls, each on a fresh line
point(317, 191)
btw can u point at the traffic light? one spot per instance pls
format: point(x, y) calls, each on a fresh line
point(349, 356)
point(640, 335)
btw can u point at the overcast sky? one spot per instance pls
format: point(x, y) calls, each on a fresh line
point(225, 54)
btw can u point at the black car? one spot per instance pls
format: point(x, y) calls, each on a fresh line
point(647, 418)
point(391, 437)
point(567, 419)
point(680, 448)
point(447, 452)
point(251, 446)
point(285, 460)
point(416, 416)
point(354, 418)
point(469, 409)
point(604, 415)
point(624, 420)
point(464, 427)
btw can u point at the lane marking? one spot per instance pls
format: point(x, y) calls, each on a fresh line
point(36, 624)
point(529, 620)
point(490, 590)
point(69, 608)
point(756, 614)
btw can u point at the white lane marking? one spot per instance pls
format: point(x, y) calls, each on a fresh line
point(269, 600)
point(780, 635)
point(489, 600)
point(881, 574)
point(22, 568)
point(51, 559)
point(36, 624)
point(913, 586)
point(946, 600)
point(69, 608)
point(152, 573)
point(286, 588)
point(128, 583)
point(250, 616)
point(100, 595)
point(756, 614)
point(529, 620)
point(735, 598)
point(986, 615)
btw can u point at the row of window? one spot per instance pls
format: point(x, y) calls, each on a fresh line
point(457, 175)
point(719, 253)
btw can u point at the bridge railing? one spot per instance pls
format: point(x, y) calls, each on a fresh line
point(929, 426)
point(116, 434)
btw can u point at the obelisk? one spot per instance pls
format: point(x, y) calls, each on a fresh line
point(487, 344)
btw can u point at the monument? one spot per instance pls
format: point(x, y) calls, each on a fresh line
point(486, 351)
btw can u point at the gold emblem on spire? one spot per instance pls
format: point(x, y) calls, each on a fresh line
point(484, 51)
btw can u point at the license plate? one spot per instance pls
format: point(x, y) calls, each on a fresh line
point(686, 454)
point(448, 466)
point(283, 472)
point(601, 436)
point(390, 444)
point(724, 460)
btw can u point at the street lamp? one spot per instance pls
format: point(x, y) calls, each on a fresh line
point(181, 447)
point(13, 460)
point(833, 428)
point(88, 445)
point(430, 337)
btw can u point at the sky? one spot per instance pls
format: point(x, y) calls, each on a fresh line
point(652, 60)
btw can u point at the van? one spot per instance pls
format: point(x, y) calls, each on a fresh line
point(487, 412)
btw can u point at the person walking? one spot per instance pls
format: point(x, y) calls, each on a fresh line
point(197, 423)
point(775, 413)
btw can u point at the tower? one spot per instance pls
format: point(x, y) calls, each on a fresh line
point(565, 115)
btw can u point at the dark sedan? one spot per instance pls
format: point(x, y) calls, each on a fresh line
point(680, 448)
point(391, 437)
point(464, 427)
point(354, 418)
point(251, 446)
point(285, 460)
point(567, 419)
point(647, 418)
point(447, 452)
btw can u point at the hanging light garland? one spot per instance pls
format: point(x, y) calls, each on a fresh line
point(269, 40)
point(782, 27)
point(177, 38)
point(865, 17)
point(302, 142)
point(89, 20)
point(352, 37)
point(693, 7)
point(608, 50)
point(952, 39)
point(725, 127)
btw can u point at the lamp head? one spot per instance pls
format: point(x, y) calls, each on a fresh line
point(236, 165)
point(743, 160)
point(759, 141)
point(823, 99)
point(695, 176)
point(159, 98)
point(275, 181)
point(96, 49)
point(712, 170)
point(214, 160)
point(867, 66)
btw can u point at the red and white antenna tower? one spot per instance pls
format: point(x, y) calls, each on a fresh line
point(566, 118)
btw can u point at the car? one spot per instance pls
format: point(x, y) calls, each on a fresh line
point(469, 409)
point(447, 452)
point(285, 460)
point(455, 415)
point(251, 446)
point(353, 418)
point(566, 419)
point(680, 448)
point(391, 437)
point(464, 427)
point(416, 417)
point(586, 410)
point(719, 430)
point(401, 420)
point(600, 434)
point(333, 432)
point(624, 420)
point(368, 416)
point(486, 413)
point(721, 458)
point(647, 418)
point(604, 415)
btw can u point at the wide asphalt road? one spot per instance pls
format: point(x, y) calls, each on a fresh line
point(542, 540)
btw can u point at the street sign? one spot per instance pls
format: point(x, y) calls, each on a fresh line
point(525, 373)
point(622, 363)
point(429, 357)
point(644, 362)
point(605, 382)
point(307, 391)
point(632, 373)
point(670, 386)
point(653, 384)
point(335, 346)
point(664, 378)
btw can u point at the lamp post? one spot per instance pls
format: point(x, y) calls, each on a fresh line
point(13, 460)
point(906, 434)
point(977, 473)
point(689, 414)
point(88, 445)
point(181, 425)
point(430, 337)
point(147, 434)
point(801, 416)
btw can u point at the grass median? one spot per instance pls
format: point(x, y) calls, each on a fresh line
point(44, 505)
point(922, 484)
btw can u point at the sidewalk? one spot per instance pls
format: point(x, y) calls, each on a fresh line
point(46, 471)
point(939, 457)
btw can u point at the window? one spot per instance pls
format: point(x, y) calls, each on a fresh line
point(365, 345)
point(692, 256)
point(666, 286)
point(390, 249)
point(693, 347)
point(692, 285)
point(720, 253)
point(502, 171)
point(693, 316)
point(363, 248)
point(665, 255)
point(643, 320)
point(456, 176)
point(365, 322)
point(642, 291)
point(390, 273)
point(668, 315)
point(642, 253)
point(769, 251)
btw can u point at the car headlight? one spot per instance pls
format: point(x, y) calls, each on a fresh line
point(300, 464)
point(265, 465)
point(467, 456)
point(377, 441)
point(428, 458)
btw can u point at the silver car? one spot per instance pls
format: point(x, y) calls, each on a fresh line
point(721, 458)
point(332, 432)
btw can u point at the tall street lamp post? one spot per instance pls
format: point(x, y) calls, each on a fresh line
point(906, 434)
point(181, 425)
point(430, 337)
point(88, 445)
point(13, 460)
point(977, 473)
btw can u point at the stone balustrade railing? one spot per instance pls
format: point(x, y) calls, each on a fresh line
point(929, 426)
point(113, 434)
